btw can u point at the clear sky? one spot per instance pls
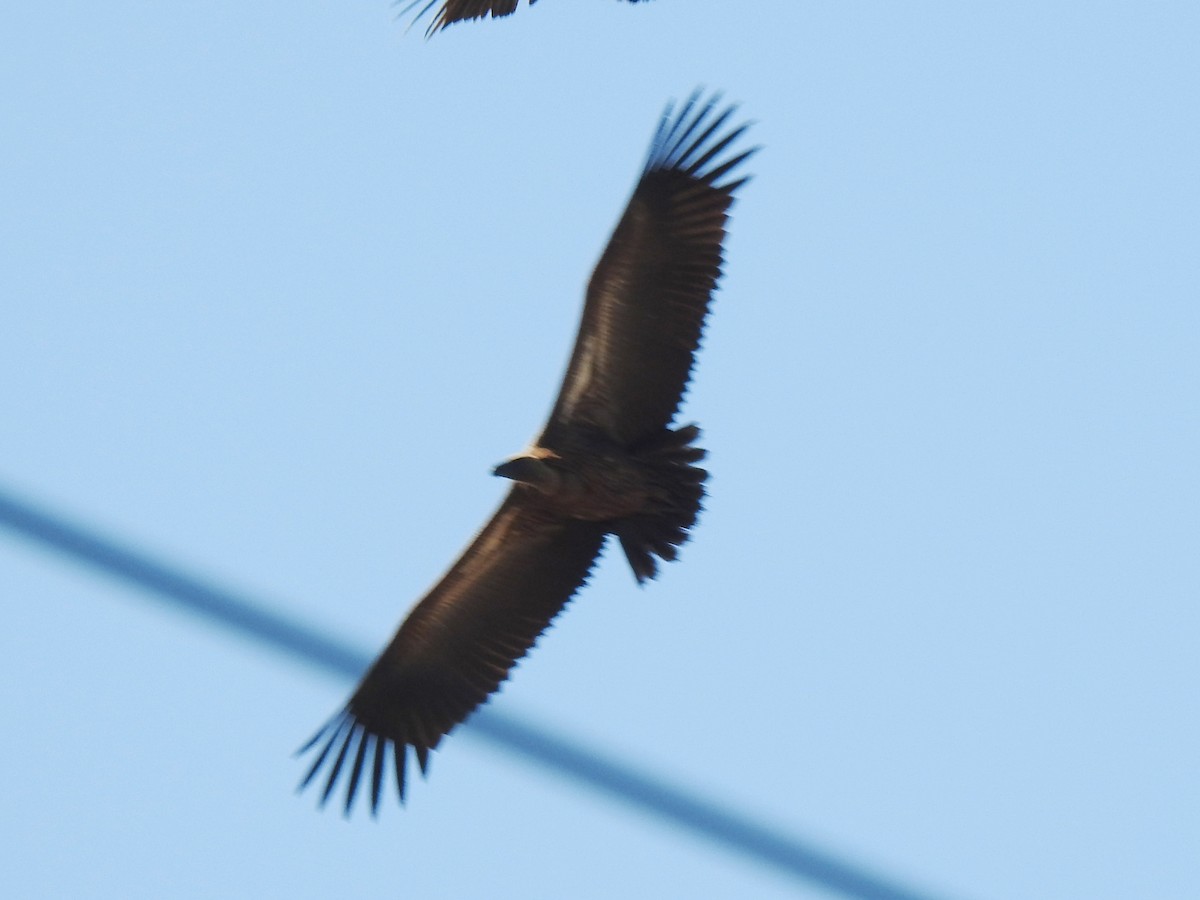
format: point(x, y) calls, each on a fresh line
point(279, 283)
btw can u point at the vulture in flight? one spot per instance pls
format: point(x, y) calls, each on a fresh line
point(607, 462)
point(452, 11)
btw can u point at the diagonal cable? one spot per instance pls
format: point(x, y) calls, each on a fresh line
point(558, 753)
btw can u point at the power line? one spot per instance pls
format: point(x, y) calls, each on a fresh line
point(556, 752)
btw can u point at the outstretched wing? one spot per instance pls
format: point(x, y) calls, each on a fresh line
point(452, 11)
point(650, 292)
point(457, 645)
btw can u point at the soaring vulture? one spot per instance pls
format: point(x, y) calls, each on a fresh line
point(607, 462)
point(452, 11)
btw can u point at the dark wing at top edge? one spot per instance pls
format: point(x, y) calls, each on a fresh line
point(650, 292)
point(452, 11)
point(457, 645)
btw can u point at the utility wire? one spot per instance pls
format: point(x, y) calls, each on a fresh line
point(560, 754)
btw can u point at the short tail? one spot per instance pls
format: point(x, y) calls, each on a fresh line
point(678, 488)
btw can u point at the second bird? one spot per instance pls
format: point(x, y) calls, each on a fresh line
point(452, 11)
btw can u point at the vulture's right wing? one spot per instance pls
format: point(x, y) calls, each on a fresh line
point(458, 644)
point(650, 292)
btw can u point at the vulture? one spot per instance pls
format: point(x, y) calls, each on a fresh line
point(607, 462)
point(452, 11)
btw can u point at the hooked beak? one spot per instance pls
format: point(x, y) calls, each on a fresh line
point(529, 470)
point(510, 468)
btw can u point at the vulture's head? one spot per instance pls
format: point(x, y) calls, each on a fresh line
point(535, 471)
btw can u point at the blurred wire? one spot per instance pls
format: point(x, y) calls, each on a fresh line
point(556, 752)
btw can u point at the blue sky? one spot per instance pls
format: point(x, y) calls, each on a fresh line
point(279, 284)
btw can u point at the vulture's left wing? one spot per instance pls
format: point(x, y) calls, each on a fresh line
point(458, 644)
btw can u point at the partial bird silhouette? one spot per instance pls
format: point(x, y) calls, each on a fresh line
point(452, 11)
point(607, 462)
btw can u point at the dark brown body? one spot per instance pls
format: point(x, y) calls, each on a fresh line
point(647, 494)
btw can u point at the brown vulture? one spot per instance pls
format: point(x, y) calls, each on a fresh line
point(607, 462)
point(452, 11)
